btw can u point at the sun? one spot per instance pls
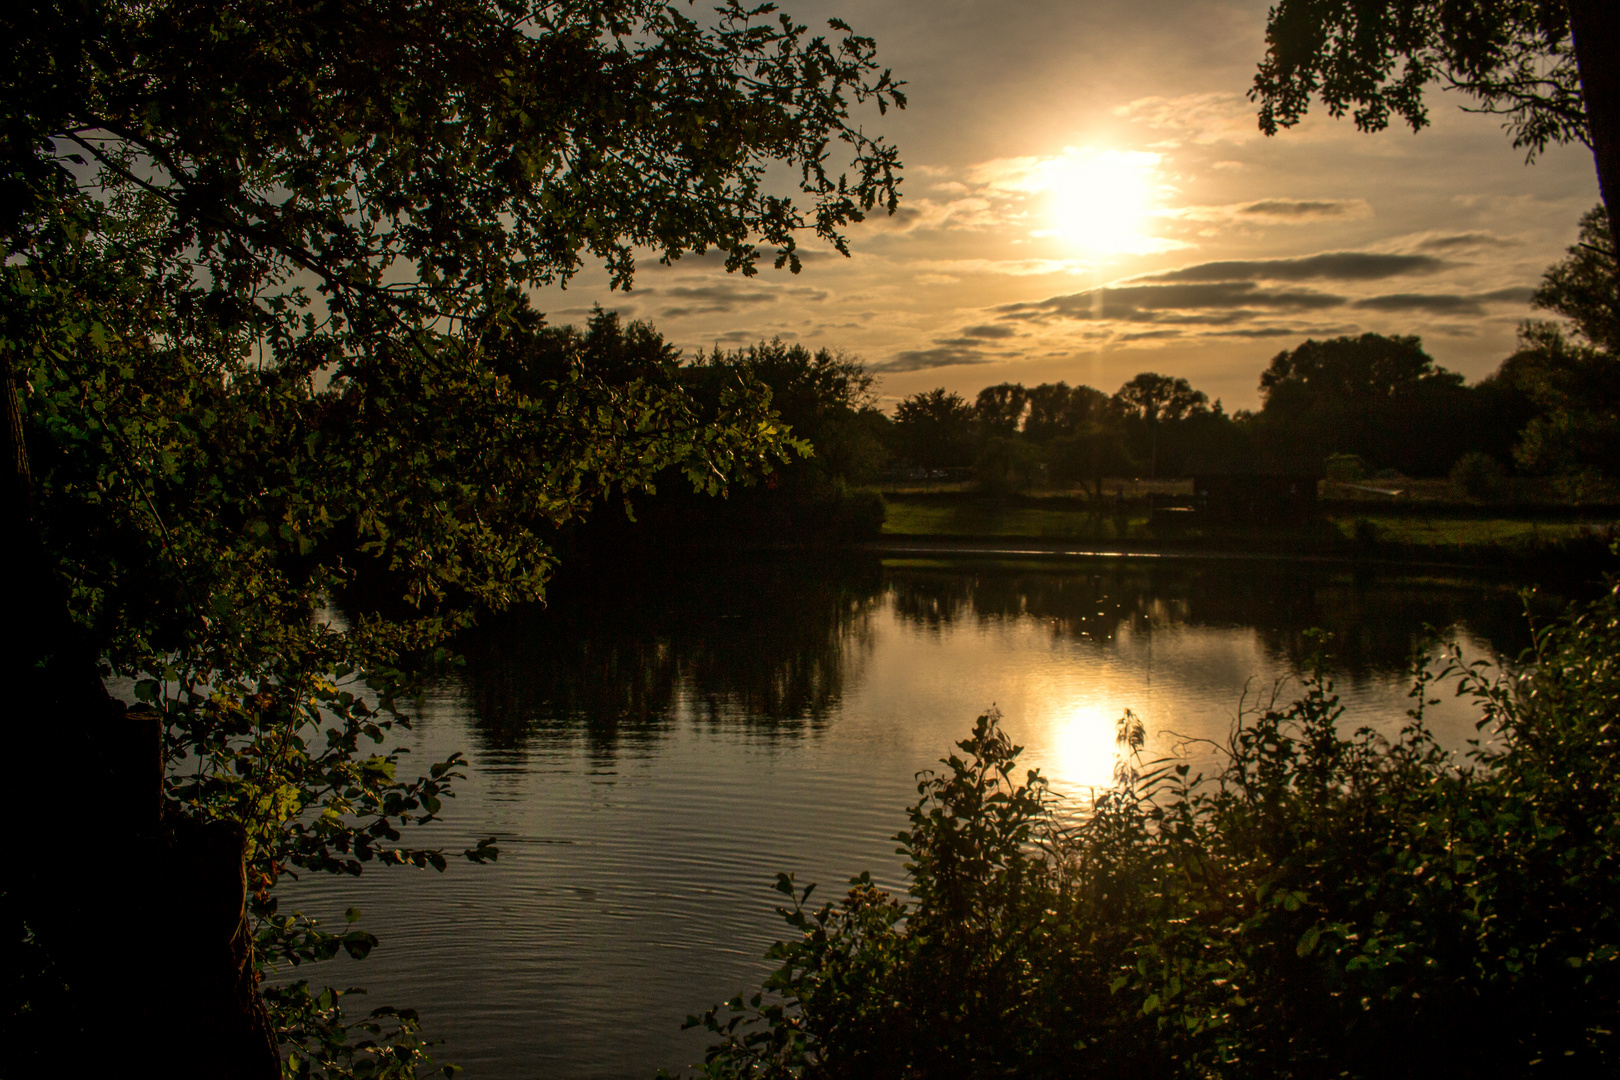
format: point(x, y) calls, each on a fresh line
point(1083, 748)
point(1099, 201)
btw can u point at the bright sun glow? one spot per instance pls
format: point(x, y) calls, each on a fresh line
point(1083, 749)
point(1100, 200)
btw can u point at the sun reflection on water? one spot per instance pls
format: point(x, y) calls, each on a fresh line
point(1081, 749)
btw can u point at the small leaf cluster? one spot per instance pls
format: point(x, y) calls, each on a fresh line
point(386, 1044)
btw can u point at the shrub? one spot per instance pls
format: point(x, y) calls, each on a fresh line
point(1477, 475)
point(1345, 467)
point(1005, 467)
point(1329, 903)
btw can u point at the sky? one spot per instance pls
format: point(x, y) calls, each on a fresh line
point(1087, 196)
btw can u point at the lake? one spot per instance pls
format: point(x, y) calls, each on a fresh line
point(653, 748)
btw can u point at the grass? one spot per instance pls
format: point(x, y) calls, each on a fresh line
point(1468, 532)
point(1446, 536)
point(983, 519)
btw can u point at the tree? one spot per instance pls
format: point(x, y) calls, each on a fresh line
point(1382, 398)
point(1088, 456)
point(1151, 399)
point(1364, 368)
point(1000, 408)
point(824, 402)
point(935, 429)
point(1567, 373)
point(1552, 67)
point(1584, 287)
point(1056, 410)
point(261, 322)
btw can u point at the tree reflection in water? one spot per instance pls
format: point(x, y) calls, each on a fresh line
point(1375, 621)
point(774, 643)
point(621, 658)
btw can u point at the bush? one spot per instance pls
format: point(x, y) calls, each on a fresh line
point(1328, 904)
point(1345, 467)
point(1477, 475)
point(1005, 467)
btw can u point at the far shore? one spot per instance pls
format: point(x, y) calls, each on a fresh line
point(1423, 526)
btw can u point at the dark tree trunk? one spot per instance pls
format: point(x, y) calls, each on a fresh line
point(139, 907)
point(1595, 25)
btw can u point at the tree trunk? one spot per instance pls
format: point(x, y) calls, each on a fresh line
point(139, 907)
point(1595, 25)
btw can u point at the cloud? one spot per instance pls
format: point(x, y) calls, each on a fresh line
point(1466, 242)
point(1429, 303)
point(1283, 331)
point(1444, 303)
point(1300, 208)
point(972, 212)
point(938, 357)
point(1201, 119)
point(1521, 294)
point(1335, 265)
point(1276, 211)
point(724, 298)
point(725, 293)
point(992, 330)
point(1220, 301)
point(1008, 267)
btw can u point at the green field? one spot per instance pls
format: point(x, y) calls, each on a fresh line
point(1469, 532)
point(1444, 535)
point(982, 519)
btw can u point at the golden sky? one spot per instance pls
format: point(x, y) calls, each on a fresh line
point(1087, 196)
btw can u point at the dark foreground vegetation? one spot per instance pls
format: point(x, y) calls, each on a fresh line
point(263, 323)
point(1328, 903)
point(264, 337)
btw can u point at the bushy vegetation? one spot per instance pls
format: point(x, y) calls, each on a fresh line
point(1328, 903)
point(262, 333)
point(823, 411)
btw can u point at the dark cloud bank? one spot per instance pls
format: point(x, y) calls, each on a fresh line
point(1235, 298)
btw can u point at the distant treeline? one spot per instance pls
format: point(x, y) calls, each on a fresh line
point(1353, 406)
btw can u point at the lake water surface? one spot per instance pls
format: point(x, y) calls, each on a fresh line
point(650, 751)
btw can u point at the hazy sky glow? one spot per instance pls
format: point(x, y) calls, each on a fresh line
point(1087, 196)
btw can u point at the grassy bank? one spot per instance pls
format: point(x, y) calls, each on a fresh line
point(1430, 530)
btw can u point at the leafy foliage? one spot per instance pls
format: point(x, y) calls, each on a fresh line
point(1329, 903)
point(831, 434)
point(1375, 60)
point(1567, 373)
point(1584, 286)
point(263, 314)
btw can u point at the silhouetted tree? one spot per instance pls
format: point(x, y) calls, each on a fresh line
point(1584, 288)
point(1383, 398)
point(1000, 408)
point(935, 429)
point(1056, 410)
point(1150, 399)
point(255, 255)
point(1569, 375)
point(1088, 456)
point(1552, 67)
